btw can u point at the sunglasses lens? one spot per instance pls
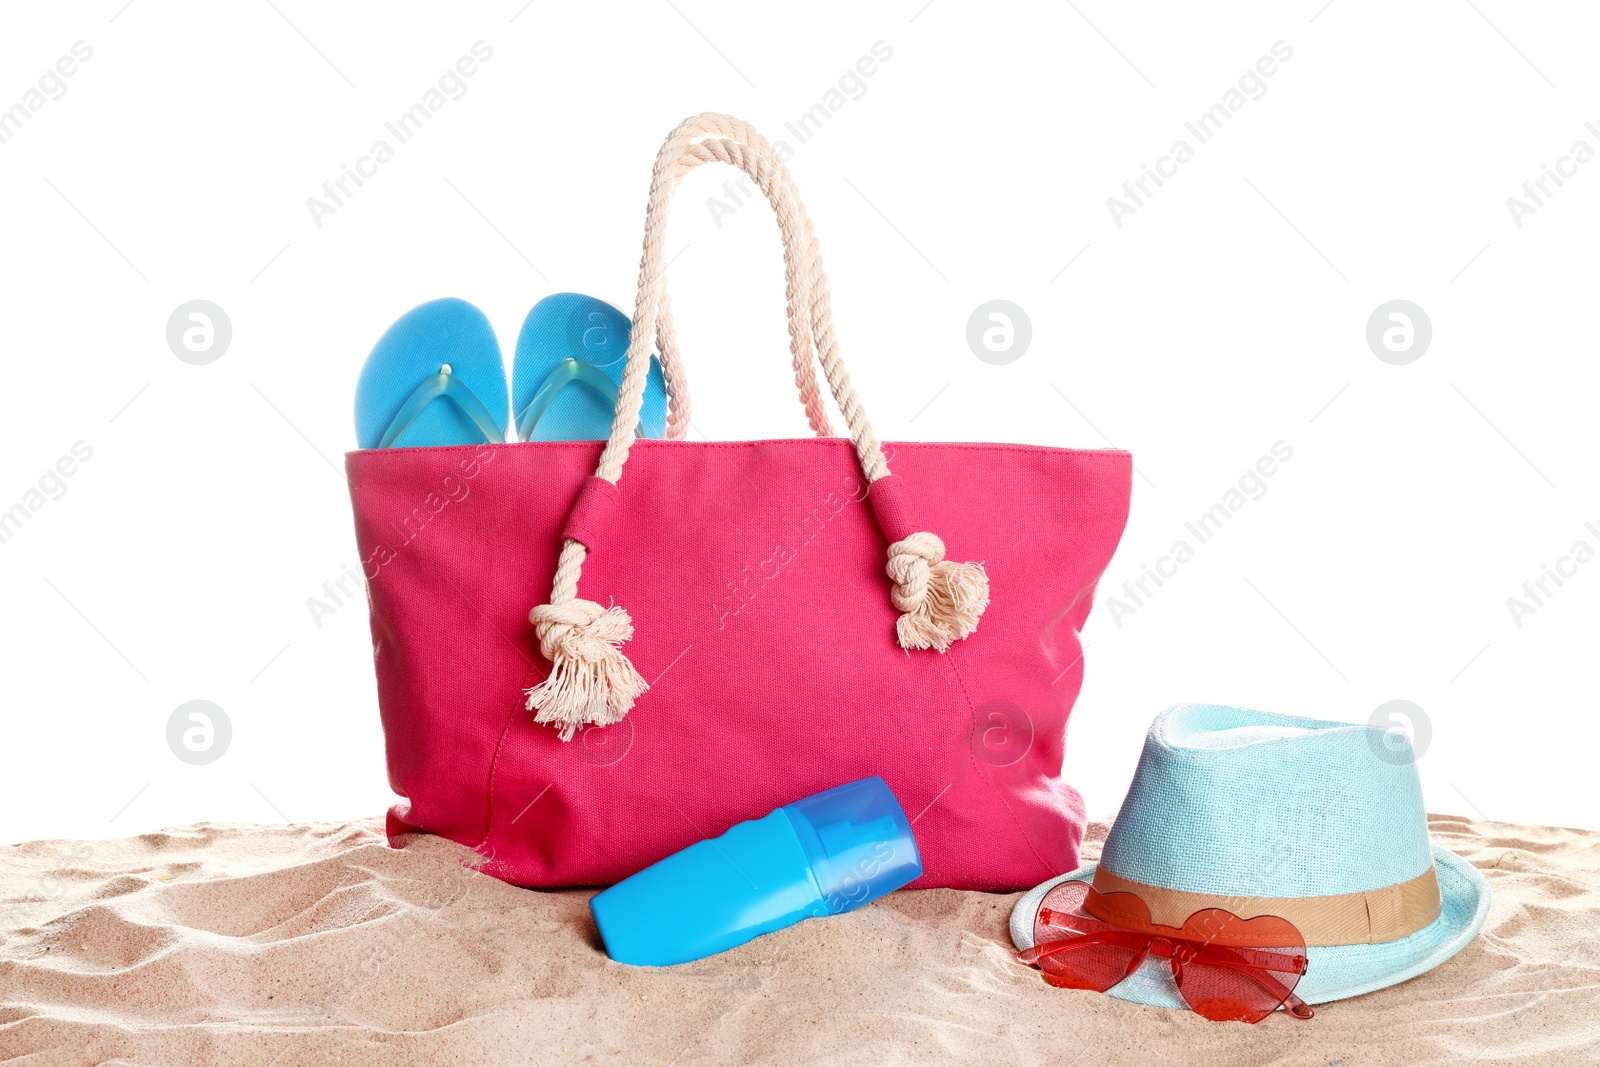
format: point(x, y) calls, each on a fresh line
point(1244, 984)
point(1222, 994)
point(1097, 966)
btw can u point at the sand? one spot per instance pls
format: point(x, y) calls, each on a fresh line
point(309, 944)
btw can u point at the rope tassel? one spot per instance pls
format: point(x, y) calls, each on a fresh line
point(940, 600)
point(591, 682)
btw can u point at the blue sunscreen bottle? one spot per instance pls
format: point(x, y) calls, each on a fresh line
point(829, 853)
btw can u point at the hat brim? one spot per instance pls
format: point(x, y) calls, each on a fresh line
point(1332, 972)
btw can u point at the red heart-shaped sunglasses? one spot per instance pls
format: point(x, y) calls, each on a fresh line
point(1226, 968)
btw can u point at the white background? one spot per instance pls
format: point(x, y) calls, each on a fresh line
point(1227, 314)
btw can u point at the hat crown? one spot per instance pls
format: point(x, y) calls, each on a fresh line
point(1249, 803)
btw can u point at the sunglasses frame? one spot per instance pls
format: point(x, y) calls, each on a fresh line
point(1260, 965)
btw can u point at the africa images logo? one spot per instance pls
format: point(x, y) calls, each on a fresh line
point(1252, 85)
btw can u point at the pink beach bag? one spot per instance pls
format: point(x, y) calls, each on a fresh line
point(717, 629)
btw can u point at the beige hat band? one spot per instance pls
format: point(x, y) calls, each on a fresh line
point(1369, 917)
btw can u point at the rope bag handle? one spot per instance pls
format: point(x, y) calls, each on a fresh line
point(742, 146)
point(591, 681)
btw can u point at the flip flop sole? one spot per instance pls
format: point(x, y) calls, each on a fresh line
point(571, 325)
point(447, 332)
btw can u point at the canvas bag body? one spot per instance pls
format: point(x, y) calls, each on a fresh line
point(754, 575)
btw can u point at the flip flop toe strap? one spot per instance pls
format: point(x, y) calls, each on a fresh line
point(447, 386)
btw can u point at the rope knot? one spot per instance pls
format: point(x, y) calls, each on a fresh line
point(940, 600)
point(591, 681)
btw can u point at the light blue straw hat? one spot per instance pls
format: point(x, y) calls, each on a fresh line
point(1320, 823)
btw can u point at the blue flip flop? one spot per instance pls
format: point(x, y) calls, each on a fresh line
point(444, 350)
point(569, 339)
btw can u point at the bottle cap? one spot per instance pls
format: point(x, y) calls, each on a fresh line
point(858, 841)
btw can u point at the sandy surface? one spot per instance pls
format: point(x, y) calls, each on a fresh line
point(226, 944)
